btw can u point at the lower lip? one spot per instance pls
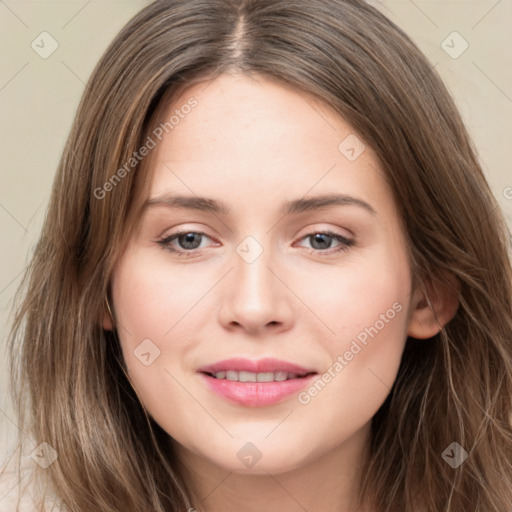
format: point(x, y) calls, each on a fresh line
point(256, 394)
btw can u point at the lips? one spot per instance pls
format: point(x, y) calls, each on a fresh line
point(243, 376)
point(256, 383)
point(266, 365)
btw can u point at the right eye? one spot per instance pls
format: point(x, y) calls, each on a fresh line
point(186, 240)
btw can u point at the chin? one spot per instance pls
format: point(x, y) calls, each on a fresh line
point(251, 459)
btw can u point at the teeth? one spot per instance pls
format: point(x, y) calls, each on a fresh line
point(247, 377)
point(268, 377)
point(243, 376)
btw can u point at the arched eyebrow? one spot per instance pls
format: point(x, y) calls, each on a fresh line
point(303, 204)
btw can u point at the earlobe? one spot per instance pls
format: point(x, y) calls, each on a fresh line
point(108, 324)
point(434, 304)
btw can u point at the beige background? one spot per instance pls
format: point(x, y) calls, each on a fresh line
point(38, 98)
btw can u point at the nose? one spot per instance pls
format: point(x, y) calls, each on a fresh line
point(254, 297)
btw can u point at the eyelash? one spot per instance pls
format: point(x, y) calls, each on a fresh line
point(165, 243)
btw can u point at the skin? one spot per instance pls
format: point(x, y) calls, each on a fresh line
point(253, 144)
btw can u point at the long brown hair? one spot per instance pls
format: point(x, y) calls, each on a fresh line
point(68, 376)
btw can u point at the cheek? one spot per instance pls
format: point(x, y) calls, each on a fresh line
point(155, 323)
point(139, 302)
point(367, 309)
point(150, 295)
point(354, 294)
point(145, 308)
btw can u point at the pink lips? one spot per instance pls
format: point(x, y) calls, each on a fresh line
point(259, 366)
point(256, 394)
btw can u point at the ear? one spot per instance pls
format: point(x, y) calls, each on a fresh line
point(107, 320)
point(434, 303)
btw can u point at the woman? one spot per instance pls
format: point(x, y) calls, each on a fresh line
point(339, 338)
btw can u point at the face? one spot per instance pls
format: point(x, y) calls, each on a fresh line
point(294, 268)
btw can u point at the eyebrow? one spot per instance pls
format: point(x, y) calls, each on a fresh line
point(218, 207)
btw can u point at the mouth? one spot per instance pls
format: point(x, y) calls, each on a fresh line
point(256, 383)
point(245, 376)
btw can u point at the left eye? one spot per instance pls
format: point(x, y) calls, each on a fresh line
point(189, 241)
point(322, 239)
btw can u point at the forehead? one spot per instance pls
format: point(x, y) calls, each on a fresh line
point(239, 113)
point(251, 140)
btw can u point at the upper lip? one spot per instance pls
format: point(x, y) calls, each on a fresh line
point(260, 366)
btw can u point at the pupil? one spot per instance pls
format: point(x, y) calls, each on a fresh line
point(189, 237)
point(319, 237)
